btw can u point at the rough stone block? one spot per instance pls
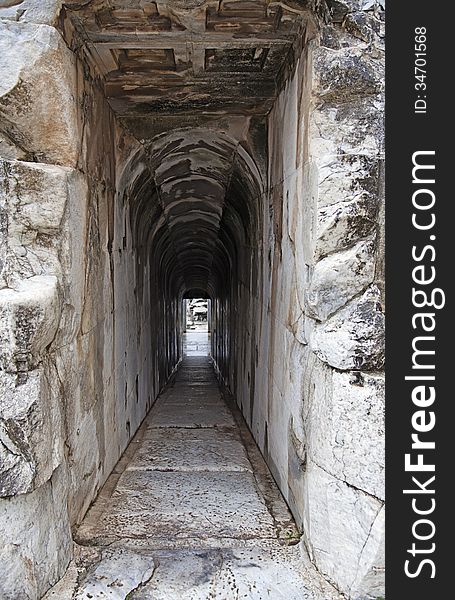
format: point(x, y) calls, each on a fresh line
point(204, 449)
point(38, 109)
point(344, 177)
point(31, 436)
point(334, 440)
point(353, 338)
point(36, 540)
point(343, 224)
point(116, 575)
point(351, 128)
point(31, 11)
point(345, 74)
point(37, 192)
point(33, 201)
point(29, 317)
point(344, 532)
point(338, 278)
point(369, 581)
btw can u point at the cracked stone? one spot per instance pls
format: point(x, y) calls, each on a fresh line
point(338, 278)
point(343, 531)
point(353, 338)
point(116, 576)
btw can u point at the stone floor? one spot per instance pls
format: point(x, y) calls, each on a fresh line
point(196, 343)
point(190, 511)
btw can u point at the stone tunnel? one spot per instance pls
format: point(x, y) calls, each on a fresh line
point(152, 151)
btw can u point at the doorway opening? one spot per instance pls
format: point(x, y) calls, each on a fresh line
point(196, 334)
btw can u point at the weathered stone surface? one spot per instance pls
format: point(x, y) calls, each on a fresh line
point(33, 201)
point(332, 436)
point(29, 317)
point(31, 435)
point(346, 177)
point(363, 19)
point(31, 11)
point(168, 504)
point(343, 530)
point(354, 337)
point(338, 278)
point(38, 103)
point(369, 582)
point(348, 133)
point(252, 572)
point(116, 576)
point(38, 194)
point(178, 414)
point(202, 449)
point(341, 75)
point(36, 540)
point(344, 223)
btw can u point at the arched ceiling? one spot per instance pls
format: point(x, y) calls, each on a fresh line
point(196, 205)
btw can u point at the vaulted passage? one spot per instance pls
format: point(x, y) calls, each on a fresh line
point(155, 152)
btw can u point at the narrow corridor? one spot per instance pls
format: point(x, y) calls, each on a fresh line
point(220, 156)
point(190, 511)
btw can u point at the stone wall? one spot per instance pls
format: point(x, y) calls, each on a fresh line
point(305, 320)
point(87, 337)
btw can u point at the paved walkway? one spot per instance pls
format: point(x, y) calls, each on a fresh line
point(190, 512)
point(196, 343)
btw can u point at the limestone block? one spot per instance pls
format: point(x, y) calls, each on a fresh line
point(33, 201)
point(31, 437)
point(72, 254)
point(116, 575)
point(29, 318)
point(343, 224)
point(255, 570)
point(38, 107)
point(353, 338)
point(306, 220)
point(338, 278)
point(31, 11)
point(37, 193)
point(341, 9)
point(167, 504)
point(344, 532)
point(344, 427)
point(351, 128)
point(344, 177)
point(369, 582)
point(366, 27)
point(36, 540)
point(345, 74)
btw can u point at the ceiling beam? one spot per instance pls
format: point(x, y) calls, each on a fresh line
point(163, 40)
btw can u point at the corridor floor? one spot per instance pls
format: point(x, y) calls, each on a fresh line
point(190, 512)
